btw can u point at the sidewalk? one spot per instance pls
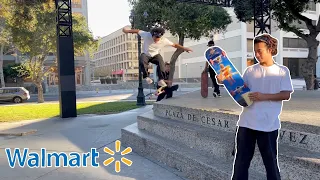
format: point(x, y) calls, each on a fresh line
point(80, 135)
point(119, 91)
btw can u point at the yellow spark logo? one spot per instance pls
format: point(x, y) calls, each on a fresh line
point(123, 159)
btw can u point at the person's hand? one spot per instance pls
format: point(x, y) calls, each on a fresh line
point(256, 96)
point(219, 79)
point(188, 50)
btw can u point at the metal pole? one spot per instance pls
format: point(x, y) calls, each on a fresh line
point(65, 56)
point(140, 97)
point(186, 73)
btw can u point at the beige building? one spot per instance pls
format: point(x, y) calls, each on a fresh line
point(117, 56)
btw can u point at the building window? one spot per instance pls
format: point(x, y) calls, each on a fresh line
point(294, 43)
point(249, 45)
point(76, 3)
point(129, 46)
point(311, 6)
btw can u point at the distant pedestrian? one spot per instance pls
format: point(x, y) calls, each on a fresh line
point(316, 83)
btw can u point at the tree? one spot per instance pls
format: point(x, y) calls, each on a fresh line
point(5, 39)
point(34, 33)
point(288, 14)
point(181, 19)
point(13, 71)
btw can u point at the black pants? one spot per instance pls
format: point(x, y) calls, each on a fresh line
point(245, 146)
point(214, 81)
point(167, 92)
point(157, 60)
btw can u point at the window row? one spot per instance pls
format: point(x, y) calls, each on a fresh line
point(115, 50)
point(287, 43)
point(118, 40)
point(124, 65)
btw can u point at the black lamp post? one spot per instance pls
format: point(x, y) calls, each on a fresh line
point(141, 97)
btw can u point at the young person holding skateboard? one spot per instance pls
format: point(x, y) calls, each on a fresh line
point(216, 91)
point(153, 42)
point(270, 84)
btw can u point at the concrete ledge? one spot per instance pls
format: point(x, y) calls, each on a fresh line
point(17, 132)
point(191, 163)
point(291, 133)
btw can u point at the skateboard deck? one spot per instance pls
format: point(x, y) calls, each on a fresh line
point(231, 78)
point(166, 89)
point(204, 84)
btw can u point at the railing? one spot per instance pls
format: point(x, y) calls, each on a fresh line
point(296, 49)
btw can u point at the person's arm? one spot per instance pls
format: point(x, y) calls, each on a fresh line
point(178, 46)
point(207, 65)
point(284, 94)
point(169, 43)
point(133, 31)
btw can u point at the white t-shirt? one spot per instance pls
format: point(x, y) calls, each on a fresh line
point(150, 47)
point(264, 115)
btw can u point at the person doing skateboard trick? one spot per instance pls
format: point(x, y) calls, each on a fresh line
point(270, 85)
point(216, 91)
point(153, 42)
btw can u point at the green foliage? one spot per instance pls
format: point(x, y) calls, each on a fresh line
point(244, 9)
point(287, 13)
point(34, 33)
point(190, 20)
point(13, 70)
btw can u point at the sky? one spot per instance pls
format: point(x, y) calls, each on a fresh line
point(107, 16)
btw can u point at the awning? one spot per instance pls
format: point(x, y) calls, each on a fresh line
point(117, 72)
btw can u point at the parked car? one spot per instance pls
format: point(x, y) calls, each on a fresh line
point(14, 94)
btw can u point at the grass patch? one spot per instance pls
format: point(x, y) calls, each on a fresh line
point(43, 111)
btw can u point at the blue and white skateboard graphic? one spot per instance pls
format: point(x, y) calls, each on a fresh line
point(231, 78)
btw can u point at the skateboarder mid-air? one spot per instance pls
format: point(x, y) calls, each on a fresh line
point(270, 84)
point(216, 91)
point(153, 42)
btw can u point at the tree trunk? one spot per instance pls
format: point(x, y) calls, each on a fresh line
point(174, 58)
point(308, 66)
point(1, 66)
point(40, 92)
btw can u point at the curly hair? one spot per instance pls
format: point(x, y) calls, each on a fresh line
point(271, 42)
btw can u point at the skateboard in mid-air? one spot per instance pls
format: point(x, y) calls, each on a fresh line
point(231, 78)
point(166, 89)
point(204, 84)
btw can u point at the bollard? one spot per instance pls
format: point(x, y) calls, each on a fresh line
point(97, 90)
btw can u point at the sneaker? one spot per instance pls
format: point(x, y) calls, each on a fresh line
point(161, 83)
point(148, 80)
point(214, 94)
point(219, 95)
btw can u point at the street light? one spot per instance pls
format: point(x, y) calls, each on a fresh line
point(186, 72)
point(141, 97)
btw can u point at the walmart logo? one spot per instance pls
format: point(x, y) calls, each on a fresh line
point(112, 159)
point(25, 158)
